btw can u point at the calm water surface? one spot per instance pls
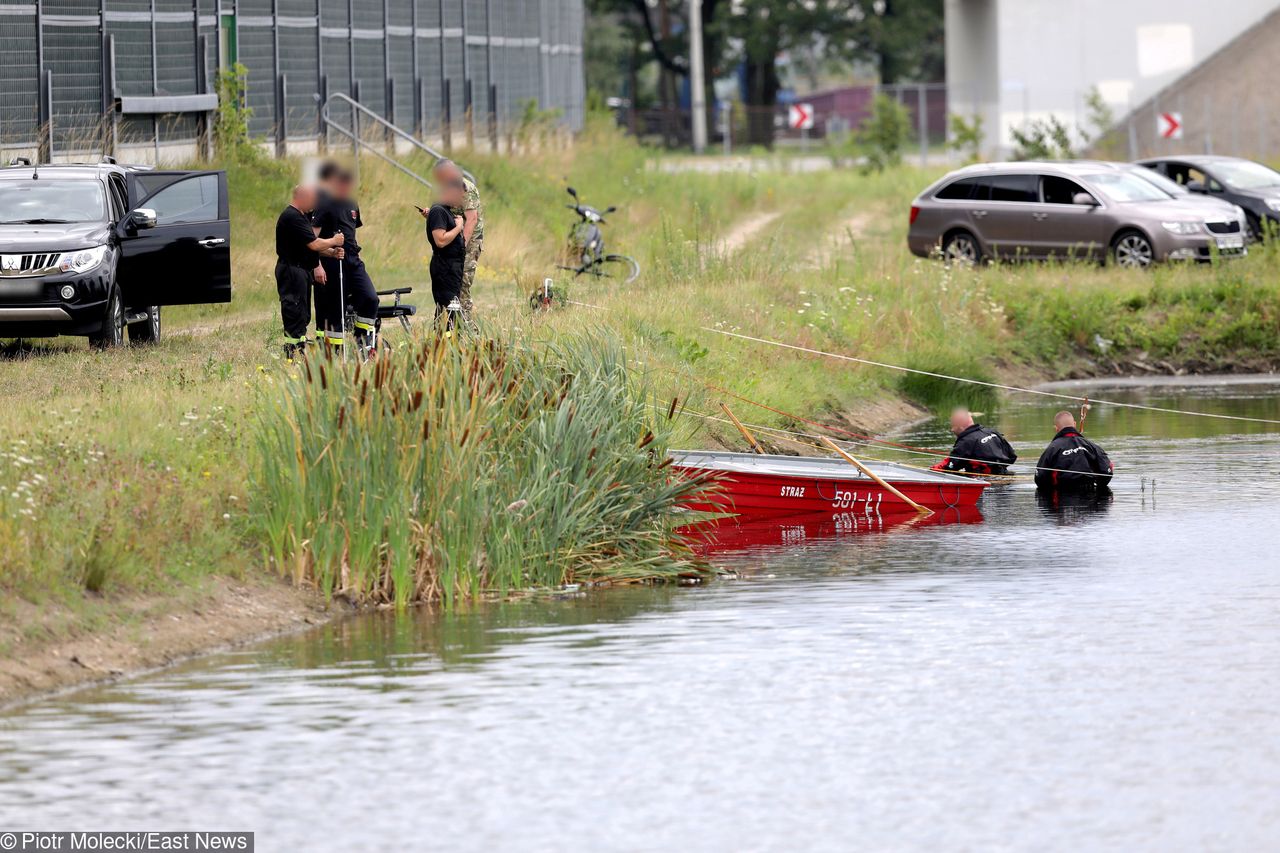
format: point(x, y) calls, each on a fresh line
point(1096, 677)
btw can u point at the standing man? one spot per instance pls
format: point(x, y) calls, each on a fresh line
point(1072, 464)
point(337, 278)
point(472, 212)
point(298, 252)
point(978, 449)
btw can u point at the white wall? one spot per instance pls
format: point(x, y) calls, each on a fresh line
point(1049, 53)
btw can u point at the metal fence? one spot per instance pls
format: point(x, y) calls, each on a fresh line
point(92, 75)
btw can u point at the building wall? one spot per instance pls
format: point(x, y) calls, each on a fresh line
point(415, 62)
point(1048, 54)
point(1223, 111)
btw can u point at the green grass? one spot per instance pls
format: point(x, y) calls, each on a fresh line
point(147, 454)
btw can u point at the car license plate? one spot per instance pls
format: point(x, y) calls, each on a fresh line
point(1231, 241)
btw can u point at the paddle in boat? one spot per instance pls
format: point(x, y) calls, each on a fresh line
point(762, 484)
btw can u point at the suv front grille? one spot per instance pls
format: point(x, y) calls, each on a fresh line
point(14, 266)
point(1224, 227)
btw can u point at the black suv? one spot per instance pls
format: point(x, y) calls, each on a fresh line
point(95, 249)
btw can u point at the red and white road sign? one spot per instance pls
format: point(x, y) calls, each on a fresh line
point(1169, 125)
point(800, 117)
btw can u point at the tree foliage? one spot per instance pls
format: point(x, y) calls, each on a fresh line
point(884, 135)
point(901, 38)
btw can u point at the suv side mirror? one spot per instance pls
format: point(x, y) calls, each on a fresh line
point(142, 218)
point(1195, 187)
point(1084, 199)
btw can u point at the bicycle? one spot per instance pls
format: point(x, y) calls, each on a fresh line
point(586, 242)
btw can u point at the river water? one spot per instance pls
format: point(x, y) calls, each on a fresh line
point(1099, 676)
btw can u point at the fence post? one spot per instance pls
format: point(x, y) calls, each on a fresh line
point(282, 116)
point(322, 132)
point(387, 138)
point(446, 120)
point(469, 113)
point(44, 152)
point(355, 131)
point(922, 124)
point(1208, 125)
point(493, 117)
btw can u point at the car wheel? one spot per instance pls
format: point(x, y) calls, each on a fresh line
point(961, 247)
point(112, 332)
point(146, 331)
point(1254, 231)
point(1132, 250)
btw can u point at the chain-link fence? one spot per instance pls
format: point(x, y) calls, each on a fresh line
point(89, 76)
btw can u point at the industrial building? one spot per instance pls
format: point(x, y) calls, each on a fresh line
point(1015, 61)
point(137, 78)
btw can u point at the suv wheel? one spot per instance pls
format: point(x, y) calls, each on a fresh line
point(112, 332)
point(1133, 250)
point(961, 247)
point(147, 330)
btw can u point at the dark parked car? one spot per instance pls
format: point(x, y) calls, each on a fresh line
point(97, 249)
point(1079, 210)
point(1252, 186)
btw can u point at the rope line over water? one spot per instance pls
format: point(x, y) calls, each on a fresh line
point(997, 385)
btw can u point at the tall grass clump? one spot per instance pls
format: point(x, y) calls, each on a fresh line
point(456, 467)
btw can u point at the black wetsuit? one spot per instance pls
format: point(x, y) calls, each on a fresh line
point(981, 451)
point(294, 265)
point(1073, 464)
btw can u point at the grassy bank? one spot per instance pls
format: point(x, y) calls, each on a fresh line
point(129, 474)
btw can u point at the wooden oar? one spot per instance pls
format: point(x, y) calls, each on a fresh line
point(881, 482)
point(751, 439)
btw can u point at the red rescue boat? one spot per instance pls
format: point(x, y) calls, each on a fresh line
point(754, 484)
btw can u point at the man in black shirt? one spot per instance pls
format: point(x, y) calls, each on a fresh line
point(336, 279)
point(978, 449)
point(448, 249)
point(298, 252)
point(1072, 464)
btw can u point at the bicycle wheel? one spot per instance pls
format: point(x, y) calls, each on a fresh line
point(619, 268)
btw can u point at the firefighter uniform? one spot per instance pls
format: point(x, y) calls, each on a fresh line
point(294, 265)
point(333, 216)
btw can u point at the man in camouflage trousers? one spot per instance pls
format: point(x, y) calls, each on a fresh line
point(472, 212)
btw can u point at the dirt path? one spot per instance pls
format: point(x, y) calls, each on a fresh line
point(745, 230)
point(843, 236)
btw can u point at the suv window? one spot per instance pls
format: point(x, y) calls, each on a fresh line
point(1058, 190)
point(192, 199)
point(1185, 173)
point(118, 203)
point(1019, 188)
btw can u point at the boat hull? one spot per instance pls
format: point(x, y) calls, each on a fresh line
point(744, 484)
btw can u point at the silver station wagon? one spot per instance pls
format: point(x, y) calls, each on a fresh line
point(1084, 211)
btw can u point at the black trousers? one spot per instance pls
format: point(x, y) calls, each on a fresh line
point(293, 284)
point(359, 292)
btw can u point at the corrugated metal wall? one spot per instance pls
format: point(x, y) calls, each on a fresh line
point(400, 56)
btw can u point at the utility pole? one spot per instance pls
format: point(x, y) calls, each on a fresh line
point(697, 77)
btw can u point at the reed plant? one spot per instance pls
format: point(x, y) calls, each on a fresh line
point(463, 465)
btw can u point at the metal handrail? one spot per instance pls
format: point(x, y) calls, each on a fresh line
point(372, 149)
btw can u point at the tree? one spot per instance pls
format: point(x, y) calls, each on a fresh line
point(884, 135)
point(903, 38)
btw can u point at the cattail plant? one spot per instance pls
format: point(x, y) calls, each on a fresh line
point(456, 467)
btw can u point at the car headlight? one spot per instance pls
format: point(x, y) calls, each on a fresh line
point(1182, 227)
point(82, 260)
point(1274, 204)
